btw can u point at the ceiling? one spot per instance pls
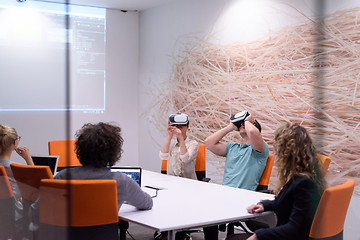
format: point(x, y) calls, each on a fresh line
point(129, 5)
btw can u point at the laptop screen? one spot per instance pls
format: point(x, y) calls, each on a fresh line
point(51, 161)
point(132, 172)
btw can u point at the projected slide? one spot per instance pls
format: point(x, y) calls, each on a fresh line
point(34, 63)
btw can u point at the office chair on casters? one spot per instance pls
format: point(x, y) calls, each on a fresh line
point(253, 225)
point(329, 219)
point(28, 179)
point(65, 149)
point(7, 206)
point(78, 209)
point(324, 162)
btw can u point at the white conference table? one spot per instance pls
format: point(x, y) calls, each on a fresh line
point(183, 203)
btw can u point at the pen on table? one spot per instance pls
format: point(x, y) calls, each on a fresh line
point(152, 187)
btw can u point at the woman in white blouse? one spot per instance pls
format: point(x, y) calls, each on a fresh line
point(179, 151)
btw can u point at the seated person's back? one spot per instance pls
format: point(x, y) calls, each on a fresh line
point(9, 142)
point(98, 147)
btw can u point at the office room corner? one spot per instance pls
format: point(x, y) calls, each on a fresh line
point(152, 73)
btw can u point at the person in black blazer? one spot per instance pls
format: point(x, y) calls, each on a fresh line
point(301, 184)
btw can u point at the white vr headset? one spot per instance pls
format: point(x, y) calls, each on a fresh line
point(179, 119)
point(239, 118)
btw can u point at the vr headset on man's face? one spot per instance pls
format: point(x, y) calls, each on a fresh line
point(239, 118)
point(179, 119)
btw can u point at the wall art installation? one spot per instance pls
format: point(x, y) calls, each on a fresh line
point(275, 79)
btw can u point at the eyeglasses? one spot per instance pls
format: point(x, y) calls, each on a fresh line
point(18, 138)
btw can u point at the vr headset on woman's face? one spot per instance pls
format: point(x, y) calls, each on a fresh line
point(239, 118)
point(178, 119)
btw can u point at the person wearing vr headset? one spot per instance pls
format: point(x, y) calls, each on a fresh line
point(245, 161)
point(180, 152)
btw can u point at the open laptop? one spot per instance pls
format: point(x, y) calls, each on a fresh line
point(51, 161)
point(134, 173)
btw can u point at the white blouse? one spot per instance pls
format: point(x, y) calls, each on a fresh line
point(181, 165)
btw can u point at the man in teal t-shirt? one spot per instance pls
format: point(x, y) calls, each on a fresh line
point(245, 161)
point(244, 165)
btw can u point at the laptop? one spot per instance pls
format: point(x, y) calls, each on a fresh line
point(135, 173)
point(51, 161)
point(132, 172)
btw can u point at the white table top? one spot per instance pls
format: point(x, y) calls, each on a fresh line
point(184, 203)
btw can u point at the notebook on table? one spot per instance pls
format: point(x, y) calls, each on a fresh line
point(51, 161)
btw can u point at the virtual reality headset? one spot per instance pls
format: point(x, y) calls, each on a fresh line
point(239, 118)
point(179, 119)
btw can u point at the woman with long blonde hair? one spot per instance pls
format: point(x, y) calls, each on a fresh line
point(300, 187)
point(9, 142)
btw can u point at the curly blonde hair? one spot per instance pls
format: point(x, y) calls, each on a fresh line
point(296, 156)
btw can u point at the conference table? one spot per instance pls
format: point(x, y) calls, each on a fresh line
point(183, 204)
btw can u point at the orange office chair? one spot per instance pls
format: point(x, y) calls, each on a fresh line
point(200, 164)
point(65, 149)
point(329, 219)
point(164, 166)
point(28, 179)
point(265, 177)
point(7, 206)
point(324, 162)
point(78, 209)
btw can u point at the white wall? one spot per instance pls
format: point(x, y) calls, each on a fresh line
point(160, 28)
point(122, 48)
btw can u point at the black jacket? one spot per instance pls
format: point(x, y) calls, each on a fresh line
point(295, 207)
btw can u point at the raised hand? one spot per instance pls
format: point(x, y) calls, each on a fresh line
point(24, 152)
point(170, 129)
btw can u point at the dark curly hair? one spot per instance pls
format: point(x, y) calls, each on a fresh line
point(98, 145)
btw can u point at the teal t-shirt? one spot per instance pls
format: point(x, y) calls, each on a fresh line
point(244, 166)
